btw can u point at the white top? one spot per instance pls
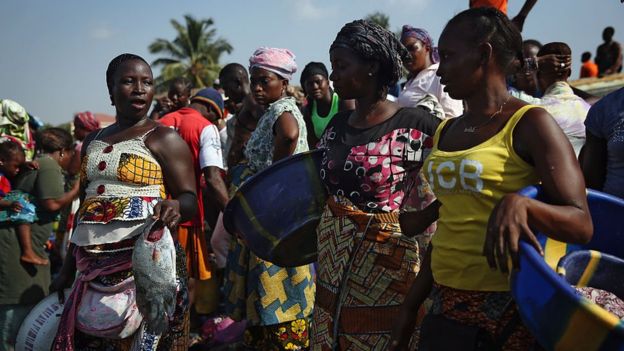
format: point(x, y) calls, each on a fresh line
point(427, 82)
point(210, 152)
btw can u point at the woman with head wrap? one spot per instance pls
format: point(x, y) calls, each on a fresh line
point(422, 81)
point(276, 302)
point(371, 161)
point(14, 123)
point(323, 102)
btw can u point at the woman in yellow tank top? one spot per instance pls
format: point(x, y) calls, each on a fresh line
point(478, 163)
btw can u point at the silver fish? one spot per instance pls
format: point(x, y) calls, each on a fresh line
point(154, 267)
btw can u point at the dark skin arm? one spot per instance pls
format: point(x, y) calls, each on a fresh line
point(53, 205)
point(539, 140)
point(414, 223)
point(246, 121)
point(175, 159)
point(522, 15)
point(417, 294)
point(286, 134)
point(593, 161)
point(216, 187)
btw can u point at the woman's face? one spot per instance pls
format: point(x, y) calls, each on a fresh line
point(460, 64)
point(133, 89)
point(316, 86)
point(267, 87)
point(350, 75)
point(419, 53)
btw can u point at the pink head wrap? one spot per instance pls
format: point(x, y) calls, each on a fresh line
point(87, 121)
point(278, 61)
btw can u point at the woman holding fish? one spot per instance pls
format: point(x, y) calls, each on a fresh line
point(133, 181)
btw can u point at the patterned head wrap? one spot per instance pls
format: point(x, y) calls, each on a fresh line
point(14, 112)
point(278, 61)
point(374, 43)
point(422, 35)
point(87, 121)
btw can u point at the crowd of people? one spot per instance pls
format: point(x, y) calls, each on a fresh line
point(422, 221)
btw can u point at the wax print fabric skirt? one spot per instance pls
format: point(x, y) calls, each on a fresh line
point(365, 269)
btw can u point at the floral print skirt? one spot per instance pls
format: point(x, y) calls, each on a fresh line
point(284, 336)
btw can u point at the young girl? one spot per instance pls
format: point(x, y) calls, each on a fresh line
point(12, 159)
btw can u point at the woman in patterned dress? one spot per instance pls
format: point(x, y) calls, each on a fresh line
point(276, 302)
point(132, 170)
point(371, 163)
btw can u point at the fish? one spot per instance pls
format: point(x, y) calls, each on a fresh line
point(154, 268)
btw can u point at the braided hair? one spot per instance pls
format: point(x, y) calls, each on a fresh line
point(373, 43)
point(115, 64)
point(490, 25)
point(8, 148)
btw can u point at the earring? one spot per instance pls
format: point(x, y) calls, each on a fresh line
point(370, 74)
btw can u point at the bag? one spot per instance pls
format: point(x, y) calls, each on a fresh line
point(109, 311)
point(440, 333)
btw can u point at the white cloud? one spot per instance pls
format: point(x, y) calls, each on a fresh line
point(101, 32)
point(309, 10)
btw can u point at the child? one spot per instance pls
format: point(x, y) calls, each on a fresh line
point(12, 158)
point(589, 68)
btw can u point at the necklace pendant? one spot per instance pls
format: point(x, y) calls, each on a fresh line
point(470, 129)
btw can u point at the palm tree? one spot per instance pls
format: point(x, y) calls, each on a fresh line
point(193, 54)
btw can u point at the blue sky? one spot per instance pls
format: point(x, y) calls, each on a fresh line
point(55, 53)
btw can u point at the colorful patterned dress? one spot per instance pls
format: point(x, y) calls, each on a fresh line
point(365, 265)
point(123, 182)
point(276, 302)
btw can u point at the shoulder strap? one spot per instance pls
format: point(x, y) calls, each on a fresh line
point(146, 134)
point(436, 136)
point(515, 118)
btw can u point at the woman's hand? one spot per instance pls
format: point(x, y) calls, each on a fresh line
point(168, 212)
point(415, 222)
point(508, 223)
point(555, 63)
point(420, 289)
point(16, 207)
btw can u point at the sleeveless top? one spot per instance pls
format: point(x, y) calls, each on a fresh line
point(469, 183)
point(123, 182)
point(321, 122)
point(259, 149)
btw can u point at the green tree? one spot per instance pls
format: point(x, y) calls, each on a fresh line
point(380, 18)
point(194, 53)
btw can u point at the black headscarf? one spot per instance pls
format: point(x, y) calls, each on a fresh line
point(312, 69)
point(374, 43)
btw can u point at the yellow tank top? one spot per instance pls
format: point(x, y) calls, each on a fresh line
point(469, 183)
